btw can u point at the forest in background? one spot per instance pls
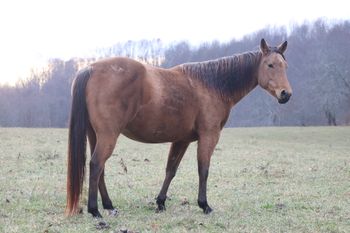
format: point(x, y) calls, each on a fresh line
point(318, 57)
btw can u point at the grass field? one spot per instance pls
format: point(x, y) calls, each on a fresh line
point(261, 180)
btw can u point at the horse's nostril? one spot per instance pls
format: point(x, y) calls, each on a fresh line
point(283, 94)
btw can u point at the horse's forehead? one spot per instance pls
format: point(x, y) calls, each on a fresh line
point(276, 57)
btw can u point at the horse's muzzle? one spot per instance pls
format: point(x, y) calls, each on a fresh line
point(284, 97)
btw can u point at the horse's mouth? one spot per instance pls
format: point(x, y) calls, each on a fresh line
point(283, 101)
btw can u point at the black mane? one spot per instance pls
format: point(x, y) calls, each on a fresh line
point(229, 76)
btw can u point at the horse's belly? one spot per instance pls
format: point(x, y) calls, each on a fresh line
point(158, 134)
point(160, 126)
point(149, 137)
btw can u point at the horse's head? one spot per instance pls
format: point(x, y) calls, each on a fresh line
point(272, 71)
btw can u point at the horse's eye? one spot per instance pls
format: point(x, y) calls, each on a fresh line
point(270, 65)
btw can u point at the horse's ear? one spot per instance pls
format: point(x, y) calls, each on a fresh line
point(264, 47)
point(282, 47)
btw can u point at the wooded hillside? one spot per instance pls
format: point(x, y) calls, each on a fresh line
point(318, 57)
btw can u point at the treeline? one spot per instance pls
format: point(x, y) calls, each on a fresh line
point(318, 56)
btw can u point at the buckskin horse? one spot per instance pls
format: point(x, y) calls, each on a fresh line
point(186, 103)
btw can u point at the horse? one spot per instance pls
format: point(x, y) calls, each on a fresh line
point(186, 103)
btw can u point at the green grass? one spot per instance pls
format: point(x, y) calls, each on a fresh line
point(261, 180)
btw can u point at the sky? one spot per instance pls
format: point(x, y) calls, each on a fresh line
point(36, 30)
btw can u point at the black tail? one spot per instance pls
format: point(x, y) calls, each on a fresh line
point(79, 120)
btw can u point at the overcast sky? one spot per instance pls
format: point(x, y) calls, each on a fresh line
point(35, 30)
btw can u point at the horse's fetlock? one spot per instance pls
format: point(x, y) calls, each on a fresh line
point(202, 204)
point(160, 200)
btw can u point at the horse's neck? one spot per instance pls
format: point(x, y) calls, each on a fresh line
point(230, 77)
point(247, 76)
point(238, 94)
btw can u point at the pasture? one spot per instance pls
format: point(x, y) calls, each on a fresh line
point(260, 180)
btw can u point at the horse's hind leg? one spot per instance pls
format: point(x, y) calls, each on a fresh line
point(106, 201)
point(104, 147)
point(176, 153)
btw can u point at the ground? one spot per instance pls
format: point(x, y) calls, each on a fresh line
point(260, 180)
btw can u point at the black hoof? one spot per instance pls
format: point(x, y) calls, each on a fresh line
point(161, 205)
point(160, 208)
point(205, 207)
point(207, 210)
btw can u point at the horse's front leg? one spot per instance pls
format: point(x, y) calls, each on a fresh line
point(206, 145)
point(176, 153)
